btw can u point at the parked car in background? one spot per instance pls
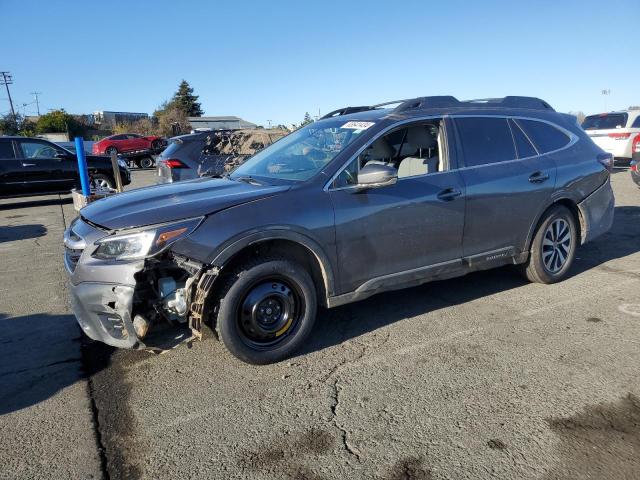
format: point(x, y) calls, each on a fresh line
point(365, 200)
point(635, 161)
point(33, 166)
point(128, 143)
point(211, 153)
point(614, 132)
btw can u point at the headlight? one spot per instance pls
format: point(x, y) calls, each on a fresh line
point(122, 163)
point(144, 243)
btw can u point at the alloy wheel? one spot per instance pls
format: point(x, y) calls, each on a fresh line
point(556, 245)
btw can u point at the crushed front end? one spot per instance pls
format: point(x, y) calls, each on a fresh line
point(126, 285)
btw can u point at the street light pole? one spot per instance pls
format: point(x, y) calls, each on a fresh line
point(6, 81)
point(605, 93)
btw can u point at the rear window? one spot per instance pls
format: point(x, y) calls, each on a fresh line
point(485, 140)
point(523, 145)
point(606, 121)
point(6, 150)
point(173, 146)
point(545, 137)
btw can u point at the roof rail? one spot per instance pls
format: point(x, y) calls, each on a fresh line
point(447, 101)
point(348, 110)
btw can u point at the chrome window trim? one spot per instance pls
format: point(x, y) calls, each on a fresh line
point(327, 185)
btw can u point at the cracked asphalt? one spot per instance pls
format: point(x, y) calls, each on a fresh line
point(485, 376)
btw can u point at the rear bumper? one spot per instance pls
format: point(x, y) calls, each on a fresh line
point(103, 311)
point(596, 212)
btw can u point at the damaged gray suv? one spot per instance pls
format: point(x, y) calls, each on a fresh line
point(365, 200)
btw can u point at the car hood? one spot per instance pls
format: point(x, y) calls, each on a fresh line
point(174, 201)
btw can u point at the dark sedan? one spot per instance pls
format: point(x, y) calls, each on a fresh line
point(33, 166)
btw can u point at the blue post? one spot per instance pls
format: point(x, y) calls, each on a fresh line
point(82, 167)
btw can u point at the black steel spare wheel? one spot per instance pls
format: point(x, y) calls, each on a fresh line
point(269, 312)
point(267, 308)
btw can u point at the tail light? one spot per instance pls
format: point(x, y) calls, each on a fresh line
point(619, 136)
point(634, 166)
point(606, 159)
point(173, 163)
point(635, 148)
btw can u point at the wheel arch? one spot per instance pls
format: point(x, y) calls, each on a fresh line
point(288, 244)
point(571, 205)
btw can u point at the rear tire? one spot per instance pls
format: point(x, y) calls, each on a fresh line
point(267, 310)
point(101, 181)
point(553, 247)
point(146, 162)
point(156, 145)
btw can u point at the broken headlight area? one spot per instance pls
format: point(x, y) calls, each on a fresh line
point(143, 243)
point(168, 300)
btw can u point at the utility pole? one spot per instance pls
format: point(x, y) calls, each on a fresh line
point(35, 94)
point(6, 81)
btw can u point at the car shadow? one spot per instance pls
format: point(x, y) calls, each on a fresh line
point(337, 325)
point(28, 202)
point(42, 354)
point(10, 233)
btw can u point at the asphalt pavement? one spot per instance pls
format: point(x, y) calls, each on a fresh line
point(485, 376)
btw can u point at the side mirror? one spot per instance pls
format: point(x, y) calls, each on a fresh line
point(376, 175)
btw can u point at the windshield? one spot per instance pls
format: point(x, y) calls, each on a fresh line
point(605, 121)
point(303, 153)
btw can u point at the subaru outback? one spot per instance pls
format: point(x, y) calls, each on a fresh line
point(365, 200)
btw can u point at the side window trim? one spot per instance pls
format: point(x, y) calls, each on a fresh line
point(403, 124)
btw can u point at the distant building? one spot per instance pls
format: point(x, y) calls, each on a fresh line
point(219, 123)
point(104, 117)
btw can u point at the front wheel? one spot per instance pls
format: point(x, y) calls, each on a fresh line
point(267, 310)
point(553, 248)
point(111, 150)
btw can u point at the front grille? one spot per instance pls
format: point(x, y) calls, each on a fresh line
point(74, 245)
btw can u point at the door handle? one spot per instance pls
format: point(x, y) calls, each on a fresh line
point(28, 164)
point(449, 194)
point(538, 177)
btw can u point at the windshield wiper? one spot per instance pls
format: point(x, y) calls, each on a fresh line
point(248, 179)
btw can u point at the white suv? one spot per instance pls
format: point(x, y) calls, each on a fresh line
point(615, 132)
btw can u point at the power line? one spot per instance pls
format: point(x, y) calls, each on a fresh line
point(7, 80)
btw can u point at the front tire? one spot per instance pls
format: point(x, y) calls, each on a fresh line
point(267, 310)
point(553, 247)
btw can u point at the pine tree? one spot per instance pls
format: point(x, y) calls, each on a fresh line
point(186, 101)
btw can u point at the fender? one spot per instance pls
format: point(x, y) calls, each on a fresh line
point(279, 233)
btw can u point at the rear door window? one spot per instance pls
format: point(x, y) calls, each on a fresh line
point(6, 151)
point(545, 137)
point(523, 145)
point(605, 121)
point(485, 140)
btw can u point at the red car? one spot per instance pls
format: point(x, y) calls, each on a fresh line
point(128, 142)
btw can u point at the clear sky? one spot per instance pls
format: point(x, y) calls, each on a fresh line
point(275, 60)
